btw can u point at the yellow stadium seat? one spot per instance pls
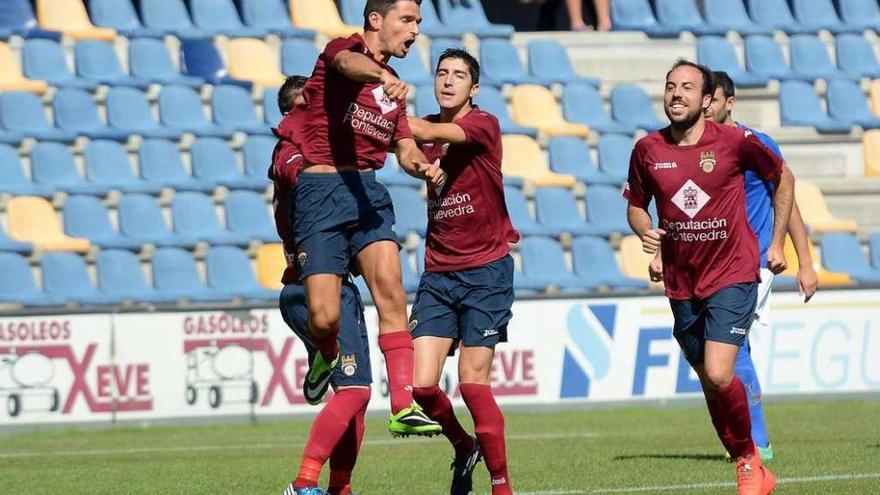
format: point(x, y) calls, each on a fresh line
point(826, 278)
point(11, 78)
point(535, 106)
point(33, 220)
point(871, 150)
point(252, 60)
point(70, 17)
point(815, 211)
point(634, 261)
point(270, 265)
point(523, 158)
point(875, 96)
point(322, 16)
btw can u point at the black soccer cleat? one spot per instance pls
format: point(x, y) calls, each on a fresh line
point(463, 470)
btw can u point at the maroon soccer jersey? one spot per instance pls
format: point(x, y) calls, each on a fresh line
point(287, 161)
point(468, 224)
point(345, 122)
point(701, 204)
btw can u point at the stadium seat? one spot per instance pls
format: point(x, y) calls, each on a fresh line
point(847, 103)
point(593, 259)
point(12, 178)
point(32, 219)
point(819, 14)
point(87, 217)
point(199, 58)
point(97, 61)
point(141, 218)
point(548, 61)
point(438, 46)
point(271, 113)
point(861, 14)
point(11, 137)
point(194, 215)
point(106, 164)
point(424, 102)
point(523, 158)
point(827, 278)
point(543, 261)
point(214, 162)
point(614, 152)
point(229, 271)
point(12, 246)
point(583, 104)
point(606, 210)
point(23, 113)
point(434, 28)
point(871, 152)
point(232, 107)
point(683, 15)
point(66, 276)
point(248, 214)
point(569, 155)
point(252, 60)
point(11, 77)
point(160, 162)
point(17, 18)
point(120, 273)
point(809, 57)
point(411, 69)
point(856, 57)
point(128, 111)
point(799, 105)
point(220, 17)
point(323, 17)
point(842, 253)
point(121, 16)
point(470, 15)
point(718, 54)
point(257, 151)
point(731, 15)
point(53, 165)
point(500, 64)
point(874, 95)
point(44, 60)
point(874, 249)
point(271, 16)
point(175, 275)
point(634, 261)
point(535, 106)
point(170, 16)
point(557, 209)
point(491, 100)
point(180, 109)
point(271, 264)
point(775, 14)
point(409, 274)
point(636, 15)
point(148, 59)
point(75, 111)
point(811, 203)
point(764, 58)
point(18, 286)
point(631, 105)
point(298, 57)
point(522, 220)
point(70, 17)
point(392, 175)
point(410, 211)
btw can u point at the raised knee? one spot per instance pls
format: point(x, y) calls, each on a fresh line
point(324, 316)
point(717, 379)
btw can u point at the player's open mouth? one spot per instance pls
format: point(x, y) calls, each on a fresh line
point(407, 44)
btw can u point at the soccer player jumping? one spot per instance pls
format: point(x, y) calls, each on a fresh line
point(466, 291)
point(354, 110)
point(694, 169)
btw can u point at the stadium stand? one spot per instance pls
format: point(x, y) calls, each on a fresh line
point(438, 46)
point(170, 17)
point(44, 60)
point(570, 155)
point(233, 107)
point(107, 165)
point(819, 14)
point(128, 111)
point(161, 162)
point(253, 60)
point(66, 276)
point(470, 16)
point(535, 106)
point(271, 114)
point(97, 61)
point(200, 58)
point(221, 17)
point(718, 54)
point(631, 105)
point(410, 212)
point(23, 113)
point(846, 102)
point(683, 15)
point(75, 111)
point(634, 261)
point(810, 58)
point(764, 57)
point(861, 14)
point(53, 165)
point(799, 105)
point(298, 57)
point(543, 262)
point(871, 151)
point(523, 158)
point(827, 278)
point(140, 217)
point(491, 100)
point(175, 275)
point(257, 154)
point(557, 209)
point(32, 219)
point(87, 217)
point(322, 16)
point(271, 16)
point(522, 219)
point(411, 68)
point(613, 152)
point(731, 15)
point(434, 28)
point(606, 211)
point(17, 18)
point(12, 178)
point(194, 215)
point(842, 253)
point(874, 249)
point(593, 259)
point(247, 214)
point(121, 16)
point(814, 209)
point(856, 57)
point(229, 271)
point(180, 108)
point(408, 272)
point(71, 18)
point(11, 77)
point(214, 163)
point(500, 64)
point(775, 14)
point(392, 175)
point(120, 273)
point(582, 103)
point(636, 15)
point(548, 61)
point(18, 285)
point(149, 59)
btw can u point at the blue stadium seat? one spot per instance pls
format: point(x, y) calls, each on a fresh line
point(549, 61)
point(631, 105)
point(614, 152)
point(433, 27)
point(199, 58)
point(718, 54)
point(425, 103)
point(500, 64)
point(229, 271)
point(731, 15)
point(44, 60)
point(582, 103)
point(809, 57)
point(820, 14)
point(636, 15)
point(492, 101)
point(52, 165)
point(543, 261)
point(271, 114)
point(411, 68)
point(160, 162)
point(23, 113)
point(862, 14)
point(233, 108)
point(106, 163)
point(247, 214)
point(128, 111)
point(470, 15)
point(363, 289)
point(571, 155)
point(298, 57)
point(257, 151)
point(180, 108)
point(175, 275)
point(593, 259)
point(96, 61)
point(12, 178)
point(140, 217)
point(169, 16)
point(842, 253)
point(410, 274)
point(17, 18)
point(148, 59)
point(352, 11)
point(214, 162)
point(12, 246)
point(17, 283)
point(120, 274)
point(86, 216)
point(438, 46)
point(66, 276)
point(392, 175)
point(847, 103)
point(606, 210)
point(121, 16)
point(557, 209)
point(420, 256)
point(775, 14)
point(271, 16)
point(874, 245)
point(221, 17)
point(410, 211)
point(764, 57)
point(194, 216)
point(75, 111)
point(856, 57)
point(10, 137)
point(799, 105)
point(522, 220)
point(683, 15)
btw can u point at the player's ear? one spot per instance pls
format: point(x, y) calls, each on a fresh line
point(707, 100)
point(374, 21)
point(474, 90)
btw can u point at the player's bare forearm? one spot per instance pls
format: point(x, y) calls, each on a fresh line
point(410, 156)
point(639, 220)
point(798, 232)
point(783, 198)
point(357, 67)
point(430, 131)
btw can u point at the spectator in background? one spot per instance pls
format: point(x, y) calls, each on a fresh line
point(575, 11)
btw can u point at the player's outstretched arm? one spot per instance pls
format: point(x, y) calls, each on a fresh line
point(361, 68)
point(414, 162)
point(640, 222)
point(430, 131)
point(807, 280)
point(783, 198)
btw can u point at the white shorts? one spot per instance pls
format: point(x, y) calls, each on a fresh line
point(762, 310)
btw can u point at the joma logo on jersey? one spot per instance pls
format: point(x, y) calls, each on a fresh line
point(665, 165)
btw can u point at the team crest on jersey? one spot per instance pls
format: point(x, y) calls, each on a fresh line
point(382, 99)
point(349, 364)
point(301, 256)
point(690, 198)
point(707, 161)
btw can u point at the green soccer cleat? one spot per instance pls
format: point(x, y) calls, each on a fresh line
point(317, 380)
point(766, 454)
point(413, 421)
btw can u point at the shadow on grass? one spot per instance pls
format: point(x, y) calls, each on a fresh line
point(688, 457)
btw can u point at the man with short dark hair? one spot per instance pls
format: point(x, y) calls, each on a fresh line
point(290, 93)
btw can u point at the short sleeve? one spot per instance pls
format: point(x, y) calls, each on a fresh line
point(770, 143)
point(756, 156)
point(637, 188)
point(336, 46)
point(402, 130)
point(480, 128)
